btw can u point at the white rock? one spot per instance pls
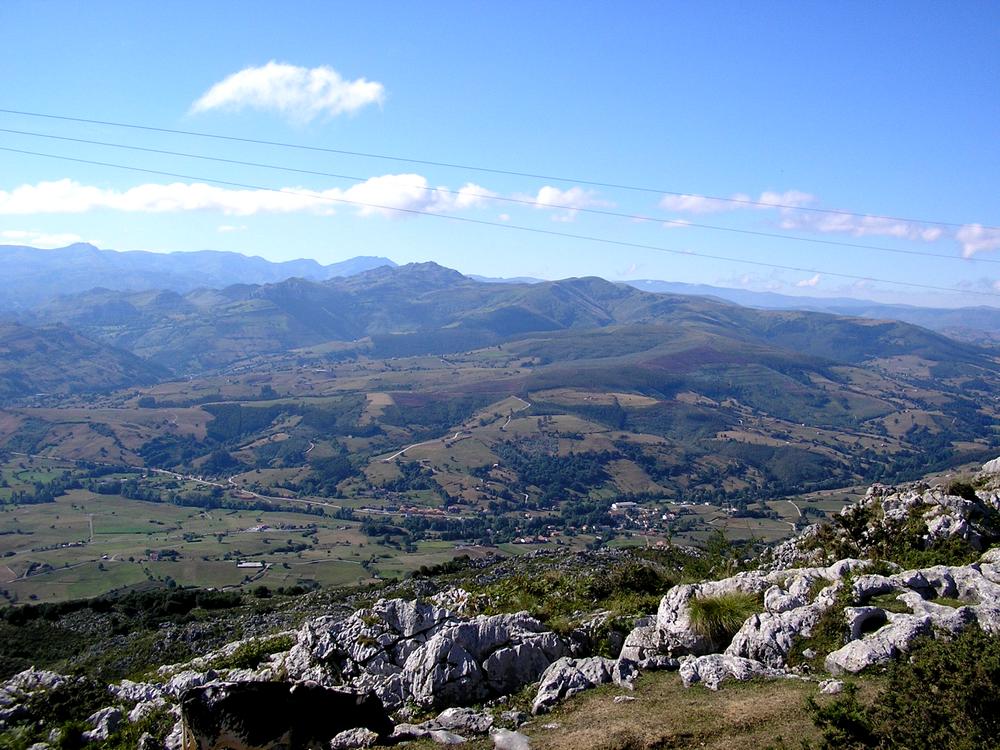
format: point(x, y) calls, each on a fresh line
point(146, 708)
point(712, 669)
point(831, 687)
point(879, 647)
point(992, 467)
point(464, 720)
point(768, 638)
point(504, 739)
point(352, 738)
point(567, 676)
point(103, 724)
point(135, 692)
point(187, 680)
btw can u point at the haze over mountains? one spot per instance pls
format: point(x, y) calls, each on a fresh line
point(34, 276)
point(37, 277)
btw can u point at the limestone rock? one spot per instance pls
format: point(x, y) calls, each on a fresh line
point(175, 739)
point(992, 467)
point(831, 687)
point(480, 658)
point(135, 692)
point(569, 676)
point(186, 680)
point(879, 647)
point(144, 709)
point(103, 724)
point(464, 720)
point(504, 739)
point(353, 738)
point(768, 637)
point(712, 669)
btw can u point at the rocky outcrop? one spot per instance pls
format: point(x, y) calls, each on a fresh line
point(478, 659)
point(411, 652)
point(567, 677)
point(923, 514)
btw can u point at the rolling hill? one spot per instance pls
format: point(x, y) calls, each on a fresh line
point(57, 361)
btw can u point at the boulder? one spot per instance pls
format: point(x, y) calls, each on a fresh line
point(992, 467)
point(187, 680)
point(103, 724)
point(768, 637)
point(712, 669)
point(352, 738)
point(413, 652)
point(143, 709)
point(860, 619)
point(504, 739)
point(568, 676)
point(463, 720)
point(831, 687)
point(777, 600)
point(135, 692)
point(879, 647)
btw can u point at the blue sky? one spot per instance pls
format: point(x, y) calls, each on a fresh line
point(888, 108)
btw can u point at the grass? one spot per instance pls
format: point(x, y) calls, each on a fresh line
point(665, 714)
point(719, 617)
point(890, 603)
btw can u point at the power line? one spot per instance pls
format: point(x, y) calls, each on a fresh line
point(487, 170)
point(497, 224)
point(506, 199)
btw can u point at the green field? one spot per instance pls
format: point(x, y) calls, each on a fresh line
point(47, 553)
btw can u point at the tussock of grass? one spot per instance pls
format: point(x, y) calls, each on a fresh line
point(719, 617)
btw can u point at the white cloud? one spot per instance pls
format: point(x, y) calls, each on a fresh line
point(38, 239)
point(860, 226)
point(676, 223)
point(300, 94)
point(700, 204)
point(811, 282)
point(384, 195)
point(572, 200)
point(695, 204)
point(976, 238)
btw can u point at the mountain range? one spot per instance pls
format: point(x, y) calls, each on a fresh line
point(425, 308)
point(35, 276)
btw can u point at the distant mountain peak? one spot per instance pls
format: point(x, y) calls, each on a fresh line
point(35, 276)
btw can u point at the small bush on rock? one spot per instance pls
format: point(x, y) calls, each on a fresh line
point(719, 617)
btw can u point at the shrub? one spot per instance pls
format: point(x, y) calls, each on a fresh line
point(830, 631)
point(719, 617)
point(945, 695)
point(252, 654)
